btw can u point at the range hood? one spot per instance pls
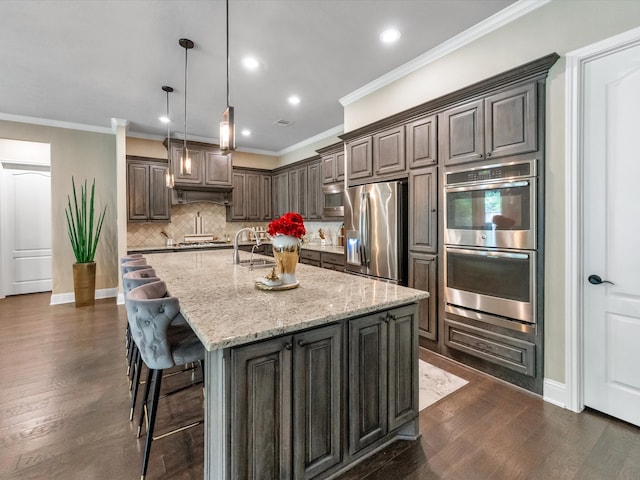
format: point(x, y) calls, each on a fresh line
point(217, 196)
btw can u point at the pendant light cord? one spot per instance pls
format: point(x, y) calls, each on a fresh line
point(227, 53)
point(186, 52)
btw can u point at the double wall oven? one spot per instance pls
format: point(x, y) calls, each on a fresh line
point(490, 237)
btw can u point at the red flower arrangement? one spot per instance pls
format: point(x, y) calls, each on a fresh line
point(290, 224)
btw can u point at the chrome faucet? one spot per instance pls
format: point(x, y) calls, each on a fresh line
point(236, 255)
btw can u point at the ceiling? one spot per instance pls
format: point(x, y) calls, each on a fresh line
point(87, 62)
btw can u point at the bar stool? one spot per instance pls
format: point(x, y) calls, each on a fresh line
point(130, 281)
point(162, 345)
point(130, 264)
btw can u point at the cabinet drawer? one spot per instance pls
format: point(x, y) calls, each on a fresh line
point(512, 353)
point(309, 255)
point(333, 261)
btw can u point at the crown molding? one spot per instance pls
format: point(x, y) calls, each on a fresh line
point(118, 122)
point(54, 123)
point(503, 17)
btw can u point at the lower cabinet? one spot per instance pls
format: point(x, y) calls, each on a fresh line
point(293, 398)
point(423, 276)
point(383, 349)
point(310, 257)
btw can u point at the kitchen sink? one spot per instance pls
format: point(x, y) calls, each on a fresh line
point(258, 263)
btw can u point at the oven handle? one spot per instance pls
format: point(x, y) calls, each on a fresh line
point(484, 253)
point(490, 186)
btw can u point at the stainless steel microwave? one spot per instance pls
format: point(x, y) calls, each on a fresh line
point(333, 200)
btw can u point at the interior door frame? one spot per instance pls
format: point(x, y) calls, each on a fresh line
point(574, 190)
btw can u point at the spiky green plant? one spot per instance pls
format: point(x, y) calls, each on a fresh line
point(80, 223)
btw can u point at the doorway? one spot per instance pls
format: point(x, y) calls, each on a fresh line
point(25, 217)
point(603, 307)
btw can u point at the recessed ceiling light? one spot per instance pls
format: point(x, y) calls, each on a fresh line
point(250, 63)
point(164, 119)
point(246, 132)
point(294, 100)
point(390, 35)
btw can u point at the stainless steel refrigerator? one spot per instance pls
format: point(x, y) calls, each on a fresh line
point(375, 220)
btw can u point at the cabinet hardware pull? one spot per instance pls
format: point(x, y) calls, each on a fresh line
point(288, 346)
point(302, 343)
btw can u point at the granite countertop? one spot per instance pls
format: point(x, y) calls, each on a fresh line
point(224, 308)
point(323, 248)
point(226, 245)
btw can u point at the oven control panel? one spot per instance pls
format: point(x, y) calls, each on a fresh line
point(493, 172)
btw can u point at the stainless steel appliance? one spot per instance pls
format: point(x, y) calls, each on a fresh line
point(490, 281)
point(333, 200)
point(376, 231)
point(492, 205)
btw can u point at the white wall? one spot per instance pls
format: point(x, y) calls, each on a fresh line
point(559, 26)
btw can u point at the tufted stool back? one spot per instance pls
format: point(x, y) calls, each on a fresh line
point(131, 257)
point(132, 265)
point(135, 278)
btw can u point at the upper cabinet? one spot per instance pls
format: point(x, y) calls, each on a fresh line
point(498, 125)
point(422, 142)
point(148, 198)
point(298, 188)
point(332, 160)
point(360, 158)
point(251, 195)
point(209, 169)
point(388, 151)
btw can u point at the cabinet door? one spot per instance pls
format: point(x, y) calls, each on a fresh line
point(196, 177)
point(265, 198)
point(314, 191)
point(423, 211)
point(328, 168)
point(303, 192)
point(253, 196)
point(260, 423)
point(280, 194)
point(294, 192)
point(159, 194)
point(511, 122)
point(423, 271)
point(368, 419)
point(422, 143)
point(389, 150)
point(238, 207)
point(360, 159)
point(463, 133)
point(339, 166)
point(217, 169)
point(138, 191)
point(317, 401)
point(403, 367)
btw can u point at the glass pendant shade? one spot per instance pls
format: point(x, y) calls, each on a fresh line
point(227, 131)
point(185, 162)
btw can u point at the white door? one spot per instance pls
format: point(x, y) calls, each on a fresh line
point(26, 228)
point(611, 236)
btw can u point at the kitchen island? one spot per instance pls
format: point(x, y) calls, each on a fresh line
point(300, 383)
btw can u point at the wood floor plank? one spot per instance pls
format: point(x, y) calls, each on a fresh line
point(64, 409)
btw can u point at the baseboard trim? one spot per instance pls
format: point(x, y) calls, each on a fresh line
point(555, 392)
point(60, 298)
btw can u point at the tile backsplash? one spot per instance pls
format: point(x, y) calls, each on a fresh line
point(214, 221)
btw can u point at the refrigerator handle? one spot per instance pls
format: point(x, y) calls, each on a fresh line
point(363, 226)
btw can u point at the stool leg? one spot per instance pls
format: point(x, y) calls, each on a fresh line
point(157, 380)
point(136, 384)
point(145, 398)
point(135, 360)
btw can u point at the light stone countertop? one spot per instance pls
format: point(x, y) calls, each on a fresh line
point(224, 308)
point(320, 248)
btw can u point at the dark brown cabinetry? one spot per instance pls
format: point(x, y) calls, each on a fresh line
point(280, 191)
point(423, 275)
point(310, 257)
point(423, 210)
point(389, 151)
point(498, 125)
point(332, 261)
point(267, 436)
point(314, 191)
point(148, 199)
point(380, 348)
point(332, 160)
point(422, 142)
point(359, 158)
point(251, 195)
point(209, 169)
point(298, 189)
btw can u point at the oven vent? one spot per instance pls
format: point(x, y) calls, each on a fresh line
point(282, 123)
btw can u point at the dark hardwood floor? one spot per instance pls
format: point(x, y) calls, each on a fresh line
point(64, 406)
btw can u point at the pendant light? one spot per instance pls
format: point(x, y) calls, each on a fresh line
point(185, 159)
point(169, 177)
point(227, 126)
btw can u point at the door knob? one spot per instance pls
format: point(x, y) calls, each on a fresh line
point(596, 280)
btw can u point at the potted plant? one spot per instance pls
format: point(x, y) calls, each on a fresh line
point(84, 237)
